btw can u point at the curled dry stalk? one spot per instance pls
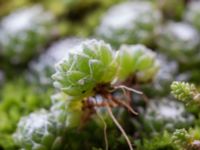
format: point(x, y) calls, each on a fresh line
point(110, 98)
point(109, 101)
point(119, 127)
point(123, 87)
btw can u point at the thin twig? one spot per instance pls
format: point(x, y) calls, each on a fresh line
point(129, 89)
point(119, 126)
point(104, 130)
point(132, 90)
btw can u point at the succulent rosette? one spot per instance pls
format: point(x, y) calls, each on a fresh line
point(87, 65)
point(165, 114)
point(136, 60)
point(44, 130)
point(23, 33)
point(179, 40)
point(130, 23)
point(40, 131)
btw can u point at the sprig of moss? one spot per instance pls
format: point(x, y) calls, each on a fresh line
point(158, 142)
point(186, 140)
point(185, 92)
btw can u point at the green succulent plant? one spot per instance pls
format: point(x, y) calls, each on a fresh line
point(24, 33)
point(86, 66)
point(164, 114)
point(138, 60)
point(40, 131)
point(94, 63)
point(135, 23)
point(179, 41)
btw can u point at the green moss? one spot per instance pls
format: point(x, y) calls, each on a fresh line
point(158, 142)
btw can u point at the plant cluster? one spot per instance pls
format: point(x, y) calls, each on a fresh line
point(89, 70)
point(99, 74)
